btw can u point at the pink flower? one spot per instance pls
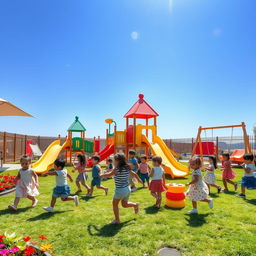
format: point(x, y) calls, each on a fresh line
point(4, 252)
point(14, 249)
point(2, 245)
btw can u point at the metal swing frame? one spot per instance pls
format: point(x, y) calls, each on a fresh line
point(247, 145)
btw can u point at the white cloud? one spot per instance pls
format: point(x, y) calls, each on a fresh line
point(217, 32)
point(170, 6)
point(135, 35)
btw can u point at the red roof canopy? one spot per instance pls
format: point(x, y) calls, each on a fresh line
point(141, 109)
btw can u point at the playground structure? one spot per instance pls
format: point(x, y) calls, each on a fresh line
point(135, 135)
point(142, 136)
point(208, 148)
point(71, 145)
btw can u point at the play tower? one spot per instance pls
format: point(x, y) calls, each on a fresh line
point(142, 135)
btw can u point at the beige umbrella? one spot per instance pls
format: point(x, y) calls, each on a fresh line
point(8, 109)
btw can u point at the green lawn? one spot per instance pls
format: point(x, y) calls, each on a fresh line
point(228, 229)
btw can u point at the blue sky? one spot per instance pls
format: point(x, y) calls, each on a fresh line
point(195, 61)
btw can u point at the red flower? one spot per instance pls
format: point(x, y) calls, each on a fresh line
point(1, 238)
point(29, 250)
point(42, 237)
point(26, 239)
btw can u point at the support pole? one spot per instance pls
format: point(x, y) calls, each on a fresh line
point(155, 124)
point(115, 139)
point(14, 147)
point(217, 148)
point(198, 140)
point(147, 137)
point(134, 132)
point(247, 145)
point(127, 146)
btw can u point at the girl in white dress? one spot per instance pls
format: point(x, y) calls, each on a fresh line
point(27, 186)
point(198, 190)
point(210, 176)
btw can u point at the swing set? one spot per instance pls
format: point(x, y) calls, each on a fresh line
point(208, 148)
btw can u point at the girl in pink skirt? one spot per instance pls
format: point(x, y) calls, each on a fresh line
point(27, 186)
point(157, 184)
point(228, 174)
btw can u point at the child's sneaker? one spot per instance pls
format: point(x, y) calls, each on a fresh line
point(76, 200)
point(48, 209)
point(210, 203)
point(193, 211)
point(219, 190)
point(133, 189)
point(12, 207)
point(241, 196)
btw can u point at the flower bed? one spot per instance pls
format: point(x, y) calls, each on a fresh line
point(7, 184)
point(13, 245)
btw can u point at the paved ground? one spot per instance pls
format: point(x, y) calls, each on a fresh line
point(9, 167)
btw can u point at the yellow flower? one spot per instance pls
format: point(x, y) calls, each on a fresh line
point(46, 247)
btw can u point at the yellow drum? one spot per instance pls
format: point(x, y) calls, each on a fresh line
point(175, 204)
point(175, 188)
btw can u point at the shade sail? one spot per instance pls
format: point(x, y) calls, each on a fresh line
point(8, 109)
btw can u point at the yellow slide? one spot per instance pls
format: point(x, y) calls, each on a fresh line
point(45, 163)
point(170, 164)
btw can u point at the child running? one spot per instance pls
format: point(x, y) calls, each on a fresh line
point(96, 179)
point(198, 190)
point(157, 184)
point(27, 186)
point(228, 174)
point(134, 167)
point(121, 175)
point(82, 177)
point(210, 176)
point(144, 170)
point(62, 188)
point(248, 180)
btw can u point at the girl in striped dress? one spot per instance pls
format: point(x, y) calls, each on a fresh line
point(121, 174)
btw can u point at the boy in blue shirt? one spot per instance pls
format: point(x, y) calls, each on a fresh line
point(96, 172)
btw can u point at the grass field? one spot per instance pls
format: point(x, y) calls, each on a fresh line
point(227, 230)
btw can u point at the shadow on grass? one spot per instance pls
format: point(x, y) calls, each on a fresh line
point(250, 201)
point(46, 215)
point(87, 198)
point(8, 211)
point(173, 209)
point(152, 209)
point(230, 192)
point(214, 195)
point(108, 230)
point(196, 220)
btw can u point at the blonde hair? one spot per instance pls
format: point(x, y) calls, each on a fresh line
point(196, 160)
